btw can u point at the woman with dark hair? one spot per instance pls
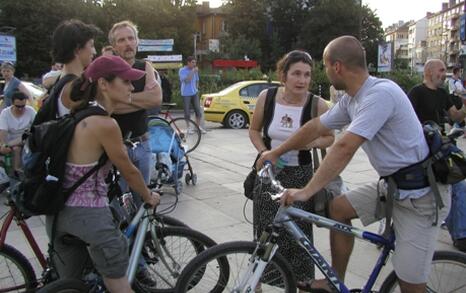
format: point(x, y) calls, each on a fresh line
point(286, 107)
point(86, 215)
point(73, 46)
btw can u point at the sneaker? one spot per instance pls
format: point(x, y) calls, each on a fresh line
point(203, 131)
point(145, 279)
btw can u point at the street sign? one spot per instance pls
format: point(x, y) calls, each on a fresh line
point(156, 48)
point(7, 48)
point(165, 58)
point(149, 42)
point(384, 60)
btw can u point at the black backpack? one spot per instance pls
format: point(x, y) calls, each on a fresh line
point(49, 109)
point(44, 159)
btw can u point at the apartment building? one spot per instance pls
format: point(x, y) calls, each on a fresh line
point(443, 41)
point(397, 34)
point(417, 45)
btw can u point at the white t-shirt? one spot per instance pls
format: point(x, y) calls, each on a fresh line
point(16, 125)
point(456, 85)
point(286, 121)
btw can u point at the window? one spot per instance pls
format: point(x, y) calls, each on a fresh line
point(254, 89)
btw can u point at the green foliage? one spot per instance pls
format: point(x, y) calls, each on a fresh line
point(404, 78)
point(239, 46)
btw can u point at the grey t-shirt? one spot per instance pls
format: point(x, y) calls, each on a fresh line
point(382, 113)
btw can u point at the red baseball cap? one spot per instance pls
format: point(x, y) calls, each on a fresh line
point(104, 66)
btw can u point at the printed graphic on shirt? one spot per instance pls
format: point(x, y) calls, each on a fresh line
point(286, 122)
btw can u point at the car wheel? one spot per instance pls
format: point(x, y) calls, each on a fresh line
point(236, 119)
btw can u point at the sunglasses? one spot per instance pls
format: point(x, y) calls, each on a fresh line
point(20, 106)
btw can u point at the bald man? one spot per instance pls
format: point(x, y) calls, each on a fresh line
point(430, 100)
point(383, 123)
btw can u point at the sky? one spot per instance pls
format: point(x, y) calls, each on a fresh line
point(391, 11)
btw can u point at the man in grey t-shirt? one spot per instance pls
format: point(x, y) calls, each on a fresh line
point(382, 121)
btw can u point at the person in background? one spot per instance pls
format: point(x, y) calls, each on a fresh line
point(51, 77)
point(132, 115)
point(14, 120)
point(189, 82)
point(335, 96)
point(73, 46)
point(12, 84)
point(291, 100)
point(432, 103)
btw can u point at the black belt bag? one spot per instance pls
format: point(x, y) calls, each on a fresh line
point(411, 177)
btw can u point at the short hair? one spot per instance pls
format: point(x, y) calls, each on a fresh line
point(295, 56)
point(121, 24)
point(17, 95)
point(71, 35)
point(348, 50)
point(190, 58)
point(7, 65)
point(456, 70)
point(107, 49)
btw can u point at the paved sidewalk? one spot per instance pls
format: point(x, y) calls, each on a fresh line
point(215, 205)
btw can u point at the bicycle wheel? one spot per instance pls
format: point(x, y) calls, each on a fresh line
point(16, 273)
point(188, 131)
point(170, 221)
point(65, 286)
point(168, 255)
point(202, 274)
point(447, 274)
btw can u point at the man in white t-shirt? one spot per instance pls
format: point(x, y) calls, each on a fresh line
point(14, 120)
point(455, 84)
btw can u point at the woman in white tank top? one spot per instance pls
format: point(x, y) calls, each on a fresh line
point(294, 71)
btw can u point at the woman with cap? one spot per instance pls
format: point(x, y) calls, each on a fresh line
point(86, 215)
point(12, 84)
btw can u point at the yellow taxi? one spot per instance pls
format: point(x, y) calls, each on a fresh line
point(234, 106)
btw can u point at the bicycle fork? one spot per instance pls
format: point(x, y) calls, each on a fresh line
point(259, 260)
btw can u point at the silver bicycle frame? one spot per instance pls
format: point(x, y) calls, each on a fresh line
point(139, 239)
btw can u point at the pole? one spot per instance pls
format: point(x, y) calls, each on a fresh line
point(195, 40)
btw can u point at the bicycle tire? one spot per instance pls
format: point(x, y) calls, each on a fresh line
point(17, 274)
point(170, 221)
point(188, 131)
point(65, 286)
point(200, 268)
point(447, 274)
point(182, 244)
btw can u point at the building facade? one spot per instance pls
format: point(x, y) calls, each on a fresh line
point(210, 25)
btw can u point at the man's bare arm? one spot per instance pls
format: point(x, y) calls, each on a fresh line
point(151, 97)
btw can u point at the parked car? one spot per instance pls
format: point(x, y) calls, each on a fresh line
point(234, 106)
point(38, 93)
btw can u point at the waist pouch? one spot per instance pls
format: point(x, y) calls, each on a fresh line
point(411, 177)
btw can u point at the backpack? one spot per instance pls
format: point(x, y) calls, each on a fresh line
point(448, 161)
point(49, 109)
point(44, 161)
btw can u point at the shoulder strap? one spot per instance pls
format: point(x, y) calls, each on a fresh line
point(269, 108)
point(102, 160)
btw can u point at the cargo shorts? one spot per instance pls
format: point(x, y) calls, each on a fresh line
point(416, 237)
point(101, 240)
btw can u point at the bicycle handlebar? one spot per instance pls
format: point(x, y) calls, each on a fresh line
point(268, 172)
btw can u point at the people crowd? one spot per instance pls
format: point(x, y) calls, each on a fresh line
point(375, 113)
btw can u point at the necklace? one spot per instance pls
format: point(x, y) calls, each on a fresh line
point(291, 101)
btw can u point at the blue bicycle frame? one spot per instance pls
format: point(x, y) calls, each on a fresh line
point(285, 216)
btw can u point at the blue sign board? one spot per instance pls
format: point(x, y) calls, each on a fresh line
point(7, 48)
point(149, 42)
point(156, 48)
point(463, 28)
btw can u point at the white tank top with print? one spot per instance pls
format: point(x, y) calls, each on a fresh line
point(286, 120)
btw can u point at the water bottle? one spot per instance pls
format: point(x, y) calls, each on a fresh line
point(8, 163)
point(281, 163)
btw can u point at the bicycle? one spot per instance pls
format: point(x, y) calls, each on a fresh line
point(258, 265)
point(188, 131)
point(169, 245)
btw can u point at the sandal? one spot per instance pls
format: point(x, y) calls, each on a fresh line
point(307, 286)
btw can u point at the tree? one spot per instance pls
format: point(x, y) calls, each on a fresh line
point(333, 18)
